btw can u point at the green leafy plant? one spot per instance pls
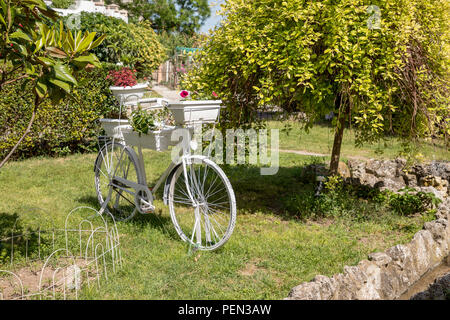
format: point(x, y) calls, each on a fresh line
point(134, 44)
point(142, 121)
point(333, 183)
point(153, 119)
point(409, 201)
point(62, 4)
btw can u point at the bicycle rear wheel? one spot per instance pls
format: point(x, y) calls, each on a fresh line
point(116, 160)
point(203, 210)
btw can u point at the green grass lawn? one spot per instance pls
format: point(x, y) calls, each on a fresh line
point(271, 250)
point(320, 140)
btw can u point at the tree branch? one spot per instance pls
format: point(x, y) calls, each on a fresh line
point(37, 102)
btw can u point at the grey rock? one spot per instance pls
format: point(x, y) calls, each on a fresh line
point(370, 290)
point(357, 169)
point(380, 258)
point(437, 229)
point(305, 291)
point(381, 168)
point(370, 180)
point(393, 184)
point(410, 180)
point(403, 259)
point(327, 286)
point(440, 169)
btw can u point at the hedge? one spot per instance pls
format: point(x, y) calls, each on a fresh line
point(69, 127)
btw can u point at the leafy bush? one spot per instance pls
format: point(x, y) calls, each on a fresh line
point(358, 202)
point(70, 126)
point(142, 121)
point(135, 45)
point(62, 4)
point(150, 52)
point(409, 201)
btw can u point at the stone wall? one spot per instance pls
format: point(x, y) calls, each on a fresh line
point(387, 275)
point(394, 175)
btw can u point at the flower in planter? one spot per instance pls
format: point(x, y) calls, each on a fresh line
point(197, 96)
point(184, 94)
point(124, 77)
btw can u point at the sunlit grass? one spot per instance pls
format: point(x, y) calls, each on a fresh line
point(320, 139)
point(269, 252)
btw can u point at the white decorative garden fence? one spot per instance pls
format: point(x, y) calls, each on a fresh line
point(58, 263)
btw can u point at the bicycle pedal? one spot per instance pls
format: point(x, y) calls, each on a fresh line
point(147, 209)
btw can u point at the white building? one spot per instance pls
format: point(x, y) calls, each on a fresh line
point(99, 6)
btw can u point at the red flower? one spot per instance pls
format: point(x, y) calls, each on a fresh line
point(184, 93)
point(125, 77)
point(214, 94)
point(20, 25)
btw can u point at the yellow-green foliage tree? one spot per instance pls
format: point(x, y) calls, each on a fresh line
point(383, 65)
point(150, 53)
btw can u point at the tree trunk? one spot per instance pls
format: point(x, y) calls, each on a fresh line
point(339, 135)
point(37, 101)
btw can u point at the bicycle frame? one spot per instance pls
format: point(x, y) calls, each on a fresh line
point(125, 185)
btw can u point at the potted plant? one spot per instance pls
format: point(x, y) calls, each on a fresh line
point(148, 128)
point(125, 86)
point(196, 108)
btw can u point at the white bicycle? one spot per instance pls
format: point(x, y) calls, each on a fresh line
point(200, 197)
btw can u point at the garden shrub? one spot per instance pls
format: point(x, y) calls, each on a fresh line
point(409, 201)
point(150, 52)
point(134, 44)
point(62, 4)
point(70, 126)
point(339, 199)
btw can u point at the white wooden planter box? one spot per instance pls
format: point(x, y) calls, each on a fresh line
point(111, 127)
point(129, 93)
point(191, 112)
point(121, 130)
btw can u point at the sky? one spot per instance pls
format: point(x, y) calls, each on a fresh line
point(214, 19)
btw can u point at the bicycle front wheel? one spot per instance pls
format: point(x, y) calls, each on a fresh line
point(202, 204)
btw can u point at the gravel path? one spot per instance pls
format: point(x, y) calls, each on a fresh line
point(167, 93)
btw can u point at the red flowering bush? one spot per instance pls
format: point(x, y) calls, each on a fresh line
point(124, 77)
